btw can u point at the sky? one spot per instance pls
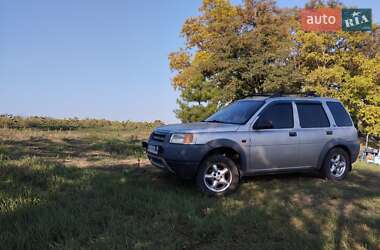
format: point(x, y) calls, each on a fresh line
point(96, 58)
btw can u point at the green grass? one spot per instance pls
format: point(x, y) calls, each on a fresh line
point(46, 203)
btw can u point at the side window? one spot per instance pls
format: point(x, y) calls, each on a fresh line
point(340, 115)
point(312, 115)
point(280, 115)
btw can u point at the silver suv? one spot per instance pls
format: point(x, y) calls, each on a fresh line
point(258, 135)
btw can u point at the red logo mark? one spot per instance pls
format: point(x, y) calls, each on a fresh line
point(323, 19)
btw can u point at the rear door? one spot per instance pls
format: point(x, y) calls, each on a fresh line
point(314, 131)
point(277, 147)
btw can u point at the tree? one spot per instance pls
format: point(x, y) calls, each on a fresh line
point(236, 51)
point(232, 52)
point(344, 65)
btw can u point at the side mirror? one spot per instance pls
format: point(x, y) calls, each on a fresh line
point(263, 124)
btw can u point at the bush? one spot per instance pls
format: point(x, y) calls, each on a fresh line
point(47, 123)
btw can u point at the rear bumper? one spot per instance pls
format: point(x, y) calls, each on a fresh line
point(354, 150)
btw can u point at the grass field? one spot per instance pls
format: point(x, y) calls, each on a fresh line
point(94, 189)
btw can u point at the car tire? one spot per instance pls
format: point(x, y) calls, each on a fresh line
point(218, 175)
point(336, 165)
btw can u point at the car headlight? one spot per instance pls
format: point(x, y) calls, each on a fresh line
point(182, 138)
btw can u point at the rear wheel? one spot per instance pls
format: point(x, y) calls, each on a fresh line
point(337, 164)
point(218, 175)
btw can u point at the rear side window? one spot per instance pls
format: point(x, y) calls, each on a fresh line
point(312, 115)
point(341, 117)
point(281, 115)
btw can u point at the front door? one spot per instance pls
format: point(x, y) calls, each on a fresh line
point(274, 141)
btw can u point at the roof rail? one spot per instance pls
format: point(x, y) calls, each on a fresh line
point(263, 94)
point(312, 94)
point(282, 93)
point(306, 94)
point(277, 94)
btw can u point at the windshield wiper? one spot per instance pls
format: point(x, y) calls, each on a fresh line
point(216, 121)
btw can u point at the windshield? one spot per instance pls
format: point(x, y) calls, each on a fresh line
point(237, 113)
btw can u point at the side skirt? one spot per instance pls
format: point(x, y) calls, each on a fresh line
point(271, 171)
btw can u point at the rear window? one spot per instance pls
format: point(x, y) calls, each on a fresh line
point(341, 117)
point(312, 115)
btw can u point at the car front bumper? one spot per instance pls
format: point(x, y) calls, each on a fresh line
point(180, 159)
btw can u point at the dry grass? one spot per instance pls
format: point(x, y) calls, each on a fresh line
point(57, 191)
point(81, 148)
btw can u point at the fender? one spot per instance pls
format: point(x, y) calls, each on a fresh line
point(226, 143)
point(351, 146)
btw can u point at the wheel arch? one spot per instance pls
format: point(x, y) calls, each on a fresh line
point(331, 145)
point(231, 149)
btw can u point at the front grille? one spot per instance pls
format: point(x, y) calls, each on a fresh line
point(158, 136)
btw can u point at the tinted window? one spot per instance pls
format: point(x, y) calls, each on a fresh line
point(237, 113)
point(281, 115)
point(340, 115)
point(312, 115)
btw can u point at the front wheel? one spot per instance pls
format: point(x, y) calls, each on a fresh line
point(337, 164)
point(218, 175)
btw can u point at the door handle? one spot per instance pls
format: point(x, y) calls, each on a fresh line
point(329, 132)
point(292, 133)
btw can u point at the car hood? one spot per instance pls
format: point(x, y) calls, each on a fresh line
point(198, 127)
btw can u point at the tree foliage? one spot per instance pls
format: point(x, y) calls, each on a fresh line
point(231, 52)
point(346, 66)
point(235, 51)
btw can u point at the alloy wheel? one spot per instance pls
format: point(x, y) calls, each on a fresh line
point(217, 178)
point(338, 165)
